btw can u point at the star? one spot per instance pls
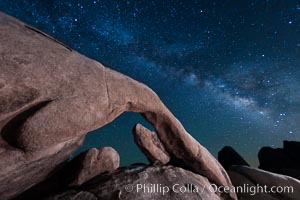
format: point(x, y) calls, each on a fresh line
point(226, 73)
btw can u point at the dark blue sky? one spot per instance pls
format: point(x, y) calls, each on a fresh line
point(229, 70)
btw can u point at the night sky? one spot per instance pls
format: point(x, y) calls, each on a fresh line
point(229, 70)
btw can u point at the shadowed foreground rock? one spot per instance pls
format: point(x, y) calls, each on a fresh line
point(228, 157)
point(150, 145)
point(72, 174)
point(51, 96)
point(243, 176)
point(20, 172)
point(144, 183)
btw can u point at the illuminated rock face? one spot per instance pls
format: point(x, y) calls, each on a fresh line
point(91, 163)
point(140, 183)
point(263, 184)
point(51, 96)
point(150, 145)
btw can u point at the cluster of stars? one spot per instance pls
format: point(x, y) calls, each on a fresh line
point(218, 65)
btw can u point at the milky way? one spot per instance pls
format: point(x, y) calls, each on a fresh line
point(229, 70)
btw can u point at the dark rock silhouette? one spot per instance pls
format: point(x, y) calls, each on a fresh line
point(51, 96)
point(292, 148)
point(228, 157)
point(281, 160)
point(273, 160)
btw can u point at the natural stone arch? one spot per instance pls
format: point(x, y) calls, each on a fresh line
point(69, 95)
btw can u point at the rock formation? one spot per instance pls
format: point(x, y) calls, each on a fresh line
point(281, 160)
point(140, 183)
point(51, 96)
point(150, 145)
point(72, 174)
point(228, 157)
point(250, 178)
point(91, 163)
point(20, 171)
point(292, 148)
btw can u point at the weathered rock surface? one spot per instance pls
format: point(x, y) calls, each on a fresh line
point(19, 171)
point(50, 94)
point(91, 163)
point(228, 157)
point(72, 174)
point(281, 160)
point(74, 195)
point(243, 176)
point(142, 183)
point(150, 145)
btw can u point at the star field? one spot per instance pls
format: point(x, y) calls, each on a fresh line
point(229, 70)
